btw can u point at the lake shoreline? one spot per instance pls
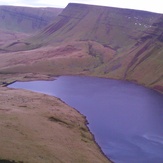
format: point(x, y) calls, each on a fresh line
point(92, 88)
point(48, 78)
point(25, 77)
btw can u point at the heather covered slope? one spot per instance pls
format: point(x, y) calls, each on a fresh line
point(94, 40)
point(26, 19)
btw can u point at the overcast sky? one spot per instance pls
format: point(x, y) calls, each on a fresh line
point(148, 5)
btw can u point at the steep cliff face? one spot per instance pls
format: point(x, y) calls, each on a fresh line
point(26, 19)
point(101, 41)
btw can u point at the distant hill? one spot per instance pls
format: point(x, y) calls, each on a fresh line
point(113, 27)
point(26, 19)
point(10, 36)
point(93, 40)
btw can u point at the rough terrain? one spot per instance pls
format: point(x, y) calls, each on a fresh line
point(37, 128)
point(82, 40)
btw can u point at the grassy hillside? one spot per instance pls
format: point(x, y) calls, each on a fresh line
point(10, 36)
point(111, 27)
point(26, 19)
point(94, 40)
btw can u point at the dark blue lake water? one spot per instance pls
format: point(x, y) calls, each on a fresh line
point(126, 119)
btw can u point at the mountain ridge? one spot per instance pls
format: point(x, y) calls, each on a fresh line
point(98, 28)
point(26, 19)
point(96, 40)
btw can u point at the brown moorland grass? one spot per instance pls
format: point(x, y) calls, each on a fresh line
point(37, 128)
point(97, 41)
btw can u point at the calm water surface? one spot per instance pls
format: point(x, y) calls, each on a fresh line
point(126, 119)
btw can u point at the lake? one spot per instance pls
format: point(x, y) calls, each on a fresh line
point(126, 119)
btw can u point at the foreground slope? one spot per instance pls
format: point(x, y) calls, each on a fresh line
point(43, 131)
point(94, 40)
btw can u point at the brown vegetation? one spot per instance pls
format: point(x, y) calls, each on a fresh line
point(37, 128)
point(84, 39)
